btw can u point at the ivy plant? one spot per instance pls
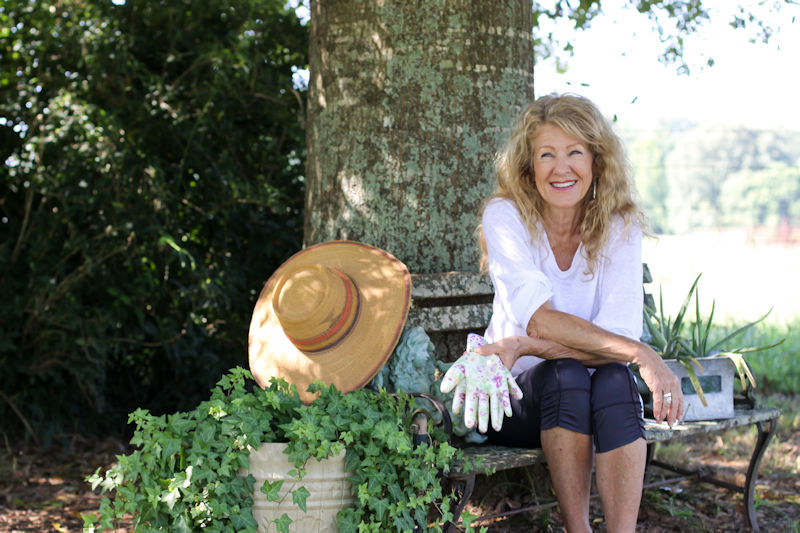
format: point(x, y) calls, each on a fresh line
point(184, 474)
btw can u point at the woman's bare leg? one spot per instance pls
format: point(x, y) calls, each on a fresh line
point(569, 459)
point(619, 474)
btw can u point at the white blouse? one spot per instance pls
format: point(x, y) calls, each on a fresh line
point(525, 275)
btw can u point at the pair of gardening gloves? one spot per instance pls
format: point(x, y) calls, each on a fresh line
point(483, 387)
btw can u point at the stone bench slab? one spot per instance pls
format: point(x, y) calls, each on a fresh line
point(499, 458)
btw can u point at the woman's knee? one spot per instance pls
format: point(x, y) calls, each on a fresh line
point(616, 407)
point(563, 374)
point(610, 381)
point(564, 392)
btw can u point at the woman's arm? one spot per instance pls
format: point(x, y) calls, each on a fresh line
point(583, 336)
point(593, 346)
point(510, 349)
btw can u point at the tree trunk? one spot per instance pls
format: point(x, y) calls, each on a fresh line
point(408, 103)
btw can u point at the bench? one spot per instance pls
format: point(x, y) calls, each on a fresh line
point(450, 305)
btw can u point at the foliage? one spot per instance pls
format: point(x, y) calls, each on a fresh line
point(704, 160)
point(185, 474)
point(669, 338)
point(778, 370)
point(673, 20)
point(648, 152)
point(692, 177)
point(152, 181)
point(395, 484)
point(767, 196)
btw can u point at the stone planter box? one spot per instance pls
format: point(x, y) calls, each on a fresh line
point(717, 383)
point(326, 481)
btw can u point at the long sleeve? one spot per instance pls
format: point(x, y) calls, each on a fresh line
point(619, 301)
point(521, 286)
point(525, 276)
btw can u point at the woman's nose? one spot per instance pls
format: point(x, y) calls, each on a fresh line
point(562, 164)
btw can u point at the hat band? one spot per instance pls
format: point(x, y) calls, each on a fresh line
point(341, 328)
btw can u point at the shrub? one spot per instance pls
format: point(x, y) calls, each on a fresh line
point(152, 181)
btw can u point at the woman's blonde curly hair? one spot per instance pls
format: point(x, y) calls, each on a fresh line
point(579, 117)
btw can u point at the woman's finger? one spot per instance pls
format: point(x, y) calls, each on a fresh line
point(658, 405)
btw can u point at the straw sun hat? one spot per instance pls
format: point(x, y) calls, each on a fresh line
point(334, 312)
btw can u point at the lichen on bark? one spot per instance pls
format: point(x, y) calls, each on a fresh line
point(408, 104)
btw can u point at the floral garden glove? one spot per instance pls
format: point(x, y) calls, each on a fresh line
point(483, 386)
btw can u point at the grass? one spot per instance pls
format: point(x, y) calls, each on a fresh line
point(777, 369)
point(744, 279)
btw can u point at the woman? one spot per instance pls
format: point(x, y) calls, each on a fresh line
point(562, 237)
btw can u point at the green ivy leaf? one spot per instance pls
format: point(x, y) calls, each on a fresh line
point(396, 491)
point(299, 497)
point(467, 518)
point(181, 526)
point(243, 521)
point(363, 493)
point(380, 507)
point(205, 432)
point(272, 490)
point(283, 523)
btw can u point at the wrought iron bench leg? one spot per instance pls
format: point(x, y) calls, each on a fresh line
point(766, 430)
point(465, 487)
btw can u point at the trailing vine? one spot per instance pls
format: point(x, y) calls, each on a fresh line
point(184, 474)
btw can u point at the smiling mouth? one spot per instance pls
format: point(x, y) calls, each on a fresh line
point(563, 184)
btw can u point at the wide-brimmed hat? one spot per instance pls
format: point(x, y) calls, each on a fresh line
point(334, 312)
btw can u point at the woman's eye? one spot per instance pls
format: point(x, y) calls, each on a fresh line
point(576, 152)
point(545, 154)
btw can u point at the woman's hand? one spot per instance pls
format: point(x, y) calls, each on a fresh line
point(664, 385)
point(507, 349)
point(483, 387)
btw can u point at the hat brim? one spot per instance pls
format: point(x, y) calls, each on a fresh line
point(385, 287)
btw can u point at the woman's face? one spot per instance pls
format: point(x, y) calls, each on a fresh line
point(562, 167)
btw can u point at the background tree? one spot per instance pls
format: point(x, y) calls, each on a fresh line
point(152, 181)
point(768, 197)
point(648, 151)
point(702, 161)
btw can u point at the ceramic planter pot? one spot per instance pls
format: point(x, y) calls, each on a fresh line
point(326, 481)
point(717, 383)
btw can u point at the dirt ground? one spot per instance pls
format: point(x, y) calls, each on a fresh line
point(46, 492)
point(685, 506)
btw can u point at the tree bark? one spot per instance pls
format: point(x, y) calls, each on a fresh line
point(408, 103)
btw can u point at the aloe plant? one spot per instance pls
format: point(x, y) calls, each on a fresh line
point(669, 338)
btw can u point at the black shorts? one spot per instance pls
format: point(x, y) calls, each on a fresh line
point(562, 393)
